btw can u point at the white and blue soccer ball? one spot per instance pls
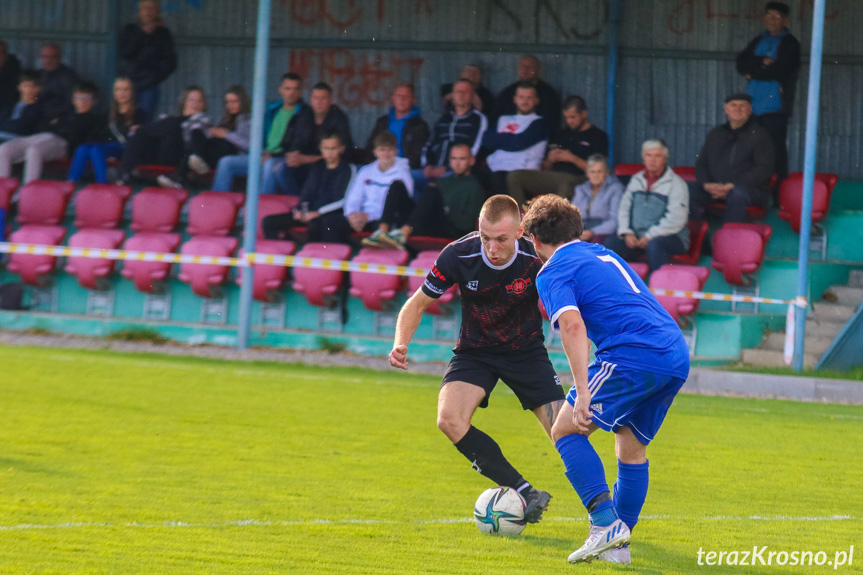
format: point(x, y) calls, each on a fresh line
point(500, 510)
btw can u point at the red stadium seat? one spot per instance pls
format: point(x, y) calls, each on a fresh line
point(320, 286)
point(791, 201)
point(157, 210)
point(214, 213)
point(738, 250)
point(43, 203)
point(269, 278)
point(101, 206)
point(375, 289)
point(627, 169)
point(640, 268)
point(682, 278)
point(91, 272)
point(426, 259)
point(206, 279)
point(34, 268)
point(830, 180)
point(686, 173)
point(428, 244)
point(697, 232)
point(7, 188)
point(270, 204)
point(148, 276)
point(153, 171)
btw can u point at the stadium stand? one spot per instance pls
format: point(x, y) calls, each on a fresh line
point(686, 173)
point(43, 202)
point(321, 288)
point(269, 204)
point(33, 269)
point(269, 279)
point(738, 252)
point(206, 279)
point(214, 213)
point(92, 272)
point(682, 309)
point(374, 289)
point(697, 232)
point(101, 206)
point(157, 210)
point(148, 276)
point(7, 189)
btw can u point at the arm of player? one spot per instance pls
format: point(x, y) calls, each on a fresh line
point(573, 336)
point(406, 326)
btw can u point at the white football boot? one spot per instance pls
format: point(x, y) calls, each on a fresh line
point(601, 539)
point(619, 555)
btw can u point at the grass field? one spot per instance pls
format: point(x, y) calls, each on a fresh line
point(123, 464)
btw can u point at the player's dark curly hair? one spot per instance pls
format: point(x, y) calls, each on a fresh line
point(553, 220)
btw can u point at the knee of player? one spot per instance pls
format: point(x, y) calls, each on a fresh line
point(453, 426)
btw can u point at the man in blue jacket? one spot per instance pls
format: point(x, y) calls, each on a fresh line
point(278, 116)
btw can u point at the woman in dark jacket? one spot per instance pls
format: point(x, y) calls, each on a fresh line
point(147, 55)
point(124, 118)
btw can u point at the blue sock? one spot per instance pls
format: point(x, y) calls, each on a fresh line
point(630, 491)
point(587, 476)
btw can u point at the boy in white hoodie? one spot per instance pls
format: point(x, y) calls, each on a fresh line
point(381, 194)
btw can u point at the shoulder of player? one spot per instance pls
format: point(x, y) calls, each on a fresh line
point(526, 249)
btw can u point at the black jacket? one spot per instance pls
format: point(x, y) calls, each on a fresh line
point(31, 121)
point(324, 190)
point(78, 129)
point(147, 59)
point(9, 86)
point(783, 70)
point(743, 156)
point(56, 93)
point(304, 136)
point(414, 137)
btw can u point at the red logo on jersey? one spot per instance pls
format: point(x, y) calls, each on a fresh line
point(511, 128)
point(437, 274)
point(518, 286)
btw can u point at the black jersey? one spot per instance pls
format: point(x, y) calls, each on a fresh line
point(499, 303)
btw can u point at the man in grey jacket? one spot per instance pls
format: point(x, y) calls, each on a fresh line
point(653, 211)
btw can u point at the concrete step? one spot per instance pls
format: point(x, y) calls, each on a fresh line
point(834, 312)
point(855, 279)
point(769, 358)
point(817, 345)
point(844, 295)
point(818, 328)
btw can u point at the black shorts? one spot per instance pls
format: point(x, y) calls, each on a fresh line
point(529, 374)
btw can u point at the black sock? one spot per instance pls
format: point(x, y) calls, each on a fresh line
point(487, 458)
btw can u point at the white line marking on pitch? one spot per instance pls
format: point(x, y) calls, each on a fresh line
point(323, 521)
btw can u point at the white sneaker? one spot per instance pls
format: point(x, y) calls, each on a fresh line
point(198, 165)
point(167, 182)
point(601, 539)
point(619, 555)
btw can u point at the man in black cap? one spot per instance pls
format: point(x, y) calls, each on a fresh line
point(735, 164)
point(771, 63)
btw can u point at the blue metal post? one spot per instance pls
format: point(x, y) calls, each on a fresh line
point(615, 14)
point(808, 177)
point(256, 148)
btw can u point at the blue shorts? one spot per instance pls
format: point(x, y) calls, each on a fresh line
point(625, 396)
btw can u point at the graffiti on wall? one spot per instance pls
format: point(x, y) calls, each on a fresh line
point(682, 16)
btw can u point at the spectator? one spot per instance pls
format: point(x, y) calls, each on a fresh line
point(124, 117)
point(403, 121)
point(519, 141)
point(321, 207)
point(10, 67)
point(448, 208)
point(771, 63)
point(276, 120)
point(463, 124)
point(166, 141)
point(735, 164)
point(64, 135)
point(302, 142)
point(483, 99)
point(147, 54)
point(565, 166)
point(367, 203)
point(598, 200)
point(651, 218)
point(28, 115)
point(208, 146)
point(529, 70)
point(58, 82)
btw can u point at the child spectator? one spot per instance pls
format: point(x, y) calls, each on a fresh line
point(28, 115)
point(63, 135)
point(124, 118)
point(230, 137)
point(322, 200)
point(166, 141)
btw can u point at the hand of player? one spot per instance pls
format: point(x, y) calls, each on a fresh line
point(293, 159)
point(767, 60)
point(631, 241)
point(581, 416)
point(642, 242)
point(399, 357)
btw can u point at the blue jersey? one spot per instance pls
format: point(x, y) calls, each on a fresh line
point(623, 319)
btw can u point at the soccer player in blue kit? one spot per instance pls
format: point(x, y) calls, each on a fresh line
point(641, 363)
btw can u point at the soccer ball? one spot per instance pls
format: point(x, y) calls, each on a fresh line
point(500, 510)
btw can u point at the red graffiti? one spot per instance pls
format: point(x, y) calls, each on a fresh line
point(357, 78)
point(681, 19)
point(342, 14)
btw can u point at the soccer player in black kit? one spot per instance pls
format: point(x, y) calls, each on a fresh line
point(500, 338)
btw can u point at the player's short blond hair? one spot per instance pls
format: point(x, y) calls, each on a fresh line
point(496, 207)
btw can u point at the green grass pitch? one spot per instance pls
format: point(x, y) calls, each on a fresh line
point(121, 463)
